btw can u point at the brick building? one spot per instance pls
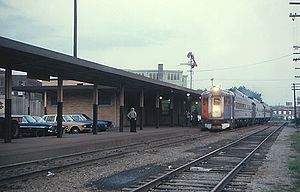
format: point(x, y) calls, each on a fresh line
point(171, 76)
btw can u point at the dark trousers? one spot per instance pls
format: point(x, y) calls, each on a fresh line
point(132, 125)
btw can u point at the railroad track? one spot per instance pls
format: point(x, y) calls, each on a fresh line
point(30, 168)
point(228, 168)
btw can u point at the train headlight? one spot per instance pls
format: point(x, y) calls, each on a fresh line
point(215, 89)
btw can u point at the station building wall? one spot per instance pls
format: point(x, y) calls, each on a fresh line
point(82, 102)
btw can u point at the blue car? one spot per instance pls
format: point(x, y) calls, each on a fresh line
point(29, 126)
point(102, 125)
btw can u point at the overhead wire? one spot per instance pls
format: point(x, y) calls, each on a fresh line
point(246, 65)
point(259, 80)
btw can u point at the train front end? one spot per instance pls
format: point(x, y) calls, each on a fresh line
point(217, 109)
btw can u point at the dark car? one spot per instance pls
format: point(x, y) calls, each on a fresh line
point(41, 120)
point(102, 125)
point(29, 126)
point(14, 125)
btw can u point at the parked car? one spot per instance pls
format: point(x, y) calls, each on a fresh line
point(102, 125)
point(71, 126)
point(29, 126)
point(15, 128)
point(41, 120)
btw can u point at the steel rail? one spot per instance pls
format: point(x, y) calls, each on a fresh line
point(86, 161)
point(167, 176)
point(227, 178)
point(83, 153)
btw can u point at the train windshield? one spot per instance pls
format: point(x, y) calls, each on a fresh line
point(216, 107)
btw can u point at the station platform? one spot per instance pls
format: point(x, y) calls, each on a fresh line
point(34, 148)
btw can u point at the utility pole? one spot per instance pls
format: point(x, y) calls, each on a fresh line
point(295, 87)
point(191, 75)
point(295, 107)
point(75, 30)
point(295, 59)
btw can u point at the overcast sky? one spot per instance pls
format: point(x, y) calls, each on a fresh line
point(236, 42)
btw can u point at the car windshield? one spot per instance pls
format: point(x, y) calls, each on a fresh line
point(29, 119)
point(39, 119)
point(86, 117)
point(67, 118)
point(78, 118)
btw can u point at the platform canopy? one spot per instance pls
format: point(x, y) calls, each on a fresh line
point(40, 63)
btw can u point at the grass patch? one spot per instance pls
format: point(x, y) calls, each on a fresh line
point(294, 165)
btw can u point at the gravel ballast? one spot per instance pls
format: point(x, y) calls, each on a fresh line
point(274, 175)
point(115, 174)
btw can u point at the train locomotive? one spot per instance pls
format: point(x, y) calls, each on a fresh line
point(222, 109)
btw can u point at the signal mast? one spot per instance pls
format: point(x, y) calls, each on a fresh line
point(192, 63)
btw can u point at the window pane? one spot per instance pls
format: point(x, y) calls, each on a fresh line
point(104, 99)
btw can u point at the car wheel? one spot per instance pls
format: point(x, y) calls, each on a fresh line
point(101, 128)
point(75, 130)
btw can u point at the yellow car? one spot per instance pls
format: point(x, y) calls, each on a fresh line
point(70, 125)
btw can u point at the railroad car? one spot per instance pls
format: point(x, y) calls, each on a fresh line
point(222, 109)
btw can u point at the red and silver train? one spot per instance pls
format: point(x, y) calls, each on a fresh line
point(222, 109)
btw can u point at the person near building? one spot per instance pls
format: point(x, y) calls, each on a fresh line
point(132, 117)
point(195, 117)
point(187, 118)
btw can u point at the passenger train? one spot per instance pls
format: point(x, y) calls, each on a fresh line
point(222, 109)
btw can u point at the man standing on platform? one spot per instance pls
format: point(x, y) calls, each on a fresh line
point(132, 117)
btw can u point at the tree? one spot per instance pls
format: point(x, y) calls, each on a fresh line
point(249, 92)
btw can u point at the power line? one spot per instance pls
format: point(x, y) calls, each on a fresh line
point(248, 65)
point(257, 80)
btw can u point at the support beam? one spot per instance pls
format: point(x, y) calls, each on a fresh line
point(95, 109)
point(59, 107)
point(45, 103)
point(121, 124)
point(141, 108)
point(295, 104)
point(28, 108)
point(172, 110)
point(8, 96)
point(75, 30)
point(157, 110)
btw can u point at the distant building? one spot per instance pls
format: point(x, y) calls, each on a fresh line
point(171, 76)
point(22, 103)
point(284, 112)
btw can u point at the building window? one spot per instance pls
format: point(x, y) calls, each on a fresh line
point(20, 93)
point(279, 112)
point(165, 107)
point(104, 99)
point(169, 76)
